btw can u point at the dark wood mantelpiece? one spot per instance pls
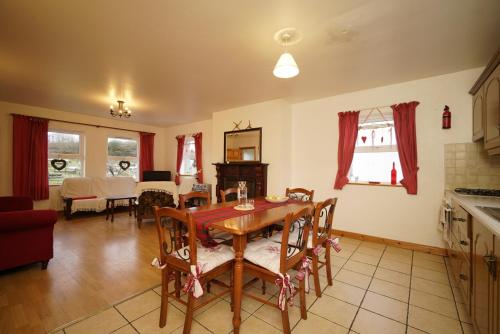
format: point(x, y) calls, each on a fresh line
point(255, 173)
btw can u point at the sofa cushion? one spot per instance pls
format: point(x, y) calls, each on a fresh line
point(26, 220)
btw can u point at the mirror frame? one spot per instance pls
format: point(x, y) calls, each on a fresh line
point(249, 161)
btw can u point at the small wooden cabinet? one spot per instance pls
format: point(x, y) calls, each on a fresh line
point(478, 115)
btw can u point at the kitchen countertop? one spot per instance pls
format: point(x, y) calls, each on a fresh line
point(470, 204)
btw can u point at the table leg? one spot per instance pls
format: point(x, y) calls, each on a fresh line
point(239, 244)
point(107, 209)
point(130, 207)
point(112, 210)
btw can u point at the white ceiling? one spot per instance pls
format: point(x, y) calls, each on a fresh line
point(179, 61)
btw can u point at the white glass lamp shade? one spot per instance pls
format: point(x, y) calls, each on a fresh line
point(286, 67)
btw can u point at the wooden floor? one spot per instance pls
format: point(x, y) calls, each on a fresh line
point(96, 264)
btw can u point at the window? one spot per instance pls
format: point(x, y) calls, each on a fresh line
point(376, 150)
point(65, 156)
point(122, 158)
point(188, 166)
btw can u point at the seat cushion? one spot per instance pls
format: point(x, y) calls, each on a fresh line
point(210, 258)
point(264, 253)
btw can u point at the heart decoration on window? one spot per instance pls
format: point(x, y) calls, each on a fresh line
point(124, 165)
point(58, 164)
point(363, 138)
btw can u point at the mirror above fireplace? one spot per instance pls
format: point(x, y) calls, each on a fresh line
point(243, 146)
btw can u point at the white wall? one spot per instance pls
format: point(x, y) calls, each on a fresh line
point(384, 211)
point(95, 142)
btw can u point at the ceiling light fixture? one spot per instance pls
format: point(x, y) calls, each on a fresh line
point(286, 67)
point(120, 110)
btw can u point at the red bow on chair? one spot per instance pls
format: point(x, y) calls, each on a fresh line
point(193, 284)
point(335, 245)
point(286, 287)
point(304, 272)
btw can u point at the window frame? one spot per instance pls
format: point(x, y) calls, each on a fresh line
point(67, 156)
point(120, 158)
point(184, 156)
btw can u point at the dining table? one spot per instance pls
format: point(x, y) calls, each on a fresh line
point(241, 224)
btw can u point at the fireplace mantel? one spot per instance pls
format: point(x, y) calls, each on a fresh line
point(255, 174)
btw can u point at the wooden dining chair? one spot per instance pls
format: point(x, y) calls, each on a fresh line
point(300, 194)
point(271, 262)
point(194, 198)
point(230, 194)
point(321, 237)
point(199, 264)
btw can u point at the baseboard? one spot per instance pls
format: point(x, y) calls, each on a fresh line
point(391, 242)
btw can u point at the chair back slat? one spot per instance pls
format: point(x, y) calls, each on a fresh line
point(292, 251)
point(323, 220)
point(230, 194)
point(169, 226)
point(300, 194)
point(196, 198)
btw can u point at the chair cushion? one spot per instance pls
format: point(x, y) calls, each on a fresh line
point(210, 258)
point(264, 253)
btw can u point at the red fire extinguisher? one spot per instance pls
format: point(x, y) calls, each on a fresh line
point(394, 174)
point(446, 118)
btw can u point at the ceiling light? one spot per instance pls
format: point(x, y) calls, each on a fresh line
point(286, 67)
point(120, 110)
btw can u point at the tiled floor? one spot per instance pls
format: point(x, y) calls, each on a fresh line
point(376, 289)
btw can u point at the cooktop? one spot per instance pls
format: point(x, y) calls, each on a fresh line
point(478, 192)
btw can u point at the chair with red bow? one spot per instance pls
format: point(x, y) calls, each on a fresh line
point(194, 198)
point(200, 264)
point(271, 262)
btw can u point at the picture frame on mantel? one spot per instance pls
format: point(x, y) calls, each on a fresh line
point(243, 146)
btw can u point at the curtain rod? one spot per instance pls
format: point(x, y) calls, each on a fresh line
point(86, 124)
point(371, 108)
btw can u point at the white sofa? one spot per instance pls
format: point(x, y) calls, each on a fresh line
point(90, 193)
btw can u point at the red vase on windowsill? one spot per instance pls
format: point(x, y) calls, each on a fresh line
point(394, 174)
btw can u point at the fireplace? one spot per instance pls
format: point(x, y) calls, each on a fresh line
point(255, 175)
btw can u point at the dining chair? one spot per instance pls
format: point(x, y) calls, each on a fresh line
point(199, 264)
point(194, 198)
point(300, 194)
point(230, 194)
point(271, 262)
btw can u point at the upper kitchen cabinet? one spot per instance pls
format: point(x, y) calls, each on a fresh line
point(486, 106)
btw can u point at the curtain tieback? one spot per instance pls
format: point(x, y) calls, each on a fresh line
point(304, 272)
point(193, 284)
point(287, 290)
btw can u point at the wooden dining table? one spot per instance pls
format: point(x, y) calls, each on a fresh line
point(240, 227)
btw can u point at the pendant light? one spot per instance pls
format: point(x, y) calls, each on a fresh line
point(286, 67)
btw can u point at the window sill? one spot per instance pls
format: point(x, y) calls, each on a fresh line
point(381, 184)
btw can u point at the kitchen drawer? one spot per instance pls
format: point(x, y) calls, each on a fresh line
point(460, 268)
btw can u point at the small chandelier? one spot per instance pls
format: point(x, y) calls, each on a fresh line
point(286, 67)
point(120, 110)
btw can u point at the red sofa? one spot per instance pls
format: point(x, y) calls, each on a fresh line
point(26, 235)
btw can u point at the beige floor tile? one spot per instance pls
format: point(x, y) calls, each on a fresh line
point(249, 304)
point(397, 257)
point(335, 271)
point(434, 288)
point(374, 245)
point(390, 289)
point(334, 310)
point(318, 325)
point(369, 259)
point(196, 328)
point(255, 325)
point(392, 276)
point(126, 330)
point(369, 250)
point(219, 318)
point(345, 292)
point(138, 306)
point(272, 315)
point(338, 261)
point(431, 265)
point(411, 330)
point(350, 277)
point(323, 281)
point(149, 322)
point(400, 251)
point(344, 253)
point(350, 241)
point(369, 323)
point(203, 298)
point(385, 306)
point(103, 322)
point(468, 328)
point(431, 275)
point(433, 303)
point(401, 267)
point(463, 314)
point(432, 322)
point(359, 267)
point(428, 257)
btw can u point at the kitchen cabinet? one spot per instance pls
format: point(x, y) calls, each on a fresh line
point(478, 115)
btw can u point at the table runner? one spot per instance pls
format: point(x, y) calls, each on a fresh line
point(204, 219)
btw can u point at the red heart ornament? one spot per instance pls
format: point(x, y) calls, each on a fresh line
point(363, 138)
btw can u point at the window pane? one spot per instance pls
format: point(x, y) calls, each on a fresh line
point(119, 147)
point(73, 169)
point(113, 168)
point(374, 167)
point(188, 166)
point(64, 143)
point(376, 134)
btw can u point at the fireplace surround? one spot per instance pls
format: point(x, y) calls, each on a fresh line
point(255, 174)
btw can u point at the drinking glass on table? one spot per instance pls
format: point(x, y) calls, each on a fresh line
point(251, 203)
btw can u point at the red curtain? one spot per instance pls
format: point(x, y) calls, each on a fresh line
point(146, 155)
point(30, 157)
point(199, 159)
point(348, 133)
point(180, 153)
point(406, 136)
